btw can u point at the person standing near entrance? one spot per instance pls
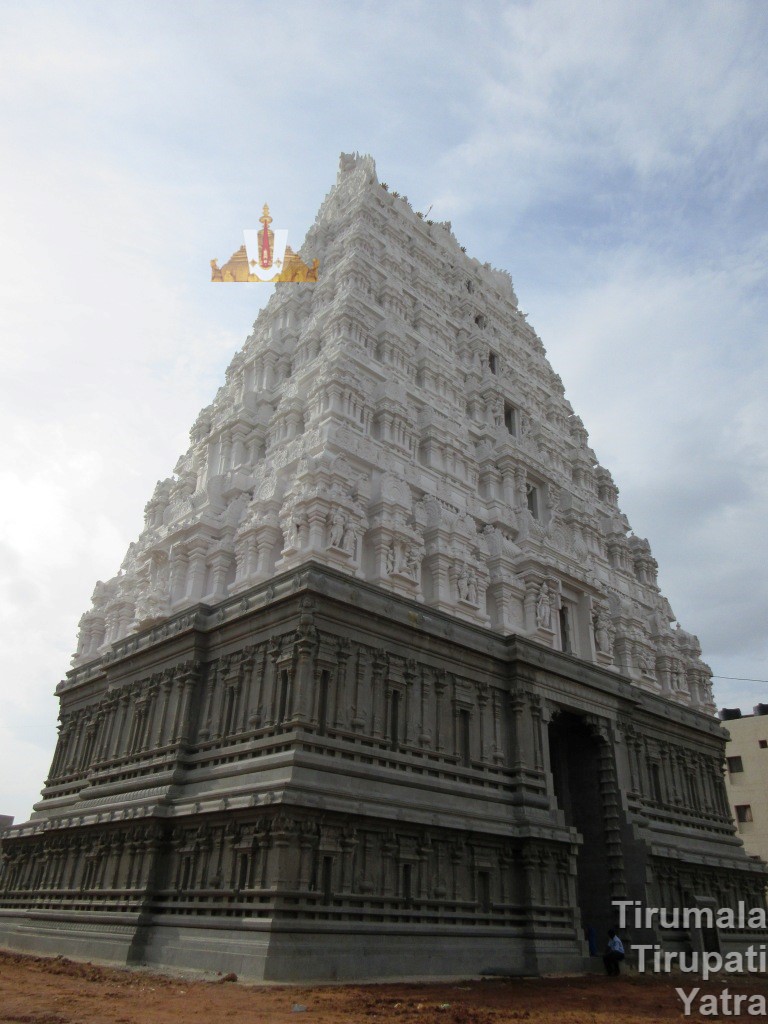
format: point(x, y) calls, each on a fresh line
point(614, 954)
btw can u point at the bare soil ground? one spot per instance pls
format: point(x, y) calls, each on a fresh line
point(40, 990)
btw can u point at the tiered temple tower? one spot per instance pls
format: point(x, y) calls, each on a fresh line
point(386, 685)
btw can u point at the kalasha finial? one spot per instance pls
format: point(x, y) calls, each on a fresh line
point(265, 249)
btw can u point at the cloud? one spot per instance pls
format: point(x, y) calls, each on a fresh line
point(667, 367)
point(652, 107)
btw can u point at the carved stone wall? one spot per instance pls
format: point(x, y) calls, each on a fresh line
point(319, 758)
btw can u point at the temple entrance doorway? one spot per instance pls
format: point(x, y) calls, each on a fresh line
point(574, 753)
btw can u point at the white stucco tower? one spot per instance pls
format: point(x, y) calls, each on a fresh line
point(399, 421)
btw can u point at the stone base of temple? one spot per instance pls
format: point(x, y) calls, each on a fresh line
point(290, 893)
point(260, 952)
point(318, 781)
point(107, 938)
point(341, 954)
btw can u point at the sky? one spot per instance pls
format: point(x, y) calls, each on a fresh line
point(612, 156)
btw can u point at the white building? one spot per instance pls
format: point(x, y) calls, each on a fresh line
point(747, 775)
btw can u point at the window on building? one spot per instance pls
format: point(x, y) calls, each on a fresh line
point(326, 884)
point(762, 743)
point(242, 881)
point(394, 720)
point(322, 701)
point(690, 785)
point(743, 813)
point(565, 630)
point(532, 499)
point(735, 765)
point(464, 737)
point(493, 362)
point(484, 891)
point(407, 883)
point(656, 791)
point(285, 697)
point(186, 873)
point(510, 418)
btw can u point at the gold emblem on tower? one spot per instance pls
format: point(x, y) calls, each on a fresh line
point(265, 258)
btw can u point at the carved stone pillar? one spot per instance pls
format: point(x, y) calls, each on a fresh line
point(482, 704)
point(246, 683)
point(239, 434)
point(517, 710)
point(630, 744)
point(106, 744)
point(537, 712)
point(125, 614)
point(622, 655)
point(160, 720)
point(122, 732)
point(609, 792)
point(266, 542)
point(440, 684)
point(246, 556)
point(423, 853)
point(317, 528)
point(225, 448)
point(271, 698)
point(457, 732)
point(230, 710)
point(177, 578)
point(183, 726)
point(357, 720)
point(198, 549)
point(285, 851)
point(304, 648)
point(221, 562)
point(270, 363)
point(151, 716)
point(215, 674)
point(529, 606)
point(520, 488)
point(498, 753)
point(424, 735)
point(306, 848)
point(61, 743)
point(348, 845)
point(508, 487)
point(389, 852)
point(532, 884)
point(379, 694)
point(343, 650)
point(410, 672)
point(669, 761)
point(664, 674)
point(73, 750)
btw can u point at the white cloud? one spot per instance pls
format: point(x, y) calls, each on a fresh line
point(668, 371)
point(567, 95)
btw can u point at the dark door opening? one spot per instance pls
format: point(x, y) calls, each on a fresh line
point(574, 758)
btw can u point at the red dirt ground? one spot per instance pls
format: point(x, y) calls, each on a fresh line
point(38, 990)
